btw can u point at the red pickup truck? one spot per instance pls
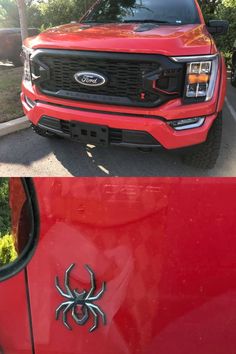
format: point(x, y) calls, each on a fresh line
point(131, 73)
point(121, 266)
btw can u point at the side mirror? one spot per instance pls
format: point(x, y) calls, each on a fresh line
point(18, 225)
point(218, 27)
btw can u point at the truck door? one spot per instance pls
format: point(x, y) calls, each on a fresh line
point(134, 266)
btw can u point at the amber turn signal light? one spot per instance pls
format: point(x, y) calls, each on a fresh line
point(198, 79)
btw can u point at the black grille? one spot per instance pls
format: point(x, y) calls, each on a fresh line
point(128, 81)
point(65, 126)
point(116, 135)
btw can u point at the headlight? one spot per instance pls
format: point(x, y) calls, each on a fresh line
point(26, 57)
point(201, 77)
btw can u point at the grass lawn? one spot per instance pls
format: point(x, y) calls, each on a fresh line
point(10, 88)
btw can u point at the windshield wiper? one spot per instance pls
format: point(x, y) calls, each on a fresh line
point(97, 22)
point(145, 21)
point(125, 21)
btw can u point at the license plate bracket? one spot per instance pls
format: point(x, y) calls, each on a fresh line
point(89, 133)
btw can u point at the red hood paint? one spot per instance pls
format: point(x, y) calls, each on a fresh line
point(165, 40)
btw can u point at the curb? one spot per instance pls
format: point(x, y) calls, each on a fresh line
point(14, 126)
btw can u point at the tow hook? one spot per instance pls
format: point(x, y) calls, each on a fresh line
point(145, 150)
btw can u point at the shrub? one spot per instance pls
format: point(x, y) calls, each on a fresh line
point(5, 219)
point(227, 11)
point(224, 10)
point(7, 250)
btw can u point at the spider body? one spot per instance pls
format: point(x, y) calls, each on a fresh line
point(85, 300)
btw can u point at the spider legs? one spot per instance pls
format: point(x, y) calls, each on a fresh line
point(66, 282)
point(100, 312)
point(99, 295)
point(67, 306)
point(93, 284)
point(60, 290)
point(59, 309)
point(95, 320)
point(95, 311)
point(69, 295)
point(64, 316)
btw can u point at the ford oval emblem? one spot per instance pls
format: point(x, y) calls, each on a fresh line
point(90, 79)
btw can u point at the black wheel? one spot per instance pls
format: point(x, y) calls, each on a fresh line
point(205, 155)
point(233, 74)
point(42, 132)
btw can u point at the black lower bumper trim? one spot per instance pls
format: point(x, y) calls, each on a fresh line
point(119, 137)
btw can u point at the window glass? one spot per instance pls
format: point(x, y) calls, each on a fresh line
point(170, 11)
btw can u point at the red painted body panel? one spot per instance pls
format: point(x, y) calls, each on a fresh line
point(223, 87)
point(14, 327)
point(165, 247)
point(165, 40)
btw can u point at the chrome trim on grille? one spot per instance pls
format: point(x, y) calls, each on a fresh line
point(188, 59)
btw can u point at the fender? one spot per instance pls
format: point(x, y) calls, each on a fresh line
point(222, 85)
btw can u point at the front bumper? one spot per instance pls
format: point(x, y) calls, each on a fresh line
point(119, 137)
point(153, 122)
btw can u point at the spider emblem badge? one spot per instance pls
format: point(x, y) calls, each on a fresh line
point(85, 300)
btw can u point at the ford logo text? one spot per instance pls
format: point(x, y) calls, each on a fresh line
point(90, 79)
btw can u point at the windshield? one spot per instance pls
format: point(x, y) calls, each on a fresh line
point(160, 11)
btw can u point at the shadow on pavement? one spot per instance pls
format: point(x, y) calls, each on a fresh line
point(55, 155)
point(114, 161)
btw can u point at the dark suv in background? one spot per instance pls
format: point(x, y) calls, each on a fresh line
point(11, 44)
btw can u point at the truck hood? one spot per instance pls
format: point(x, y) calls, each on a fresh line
point(129, 38)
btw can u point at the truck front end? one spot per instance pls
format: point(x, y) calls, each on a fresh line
point(129, 80)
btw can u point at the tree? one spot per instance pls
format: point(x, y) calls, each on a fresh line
point(58, 12)
point(209, 6)
point(227, 11)
point(9, 16)
point(23, 18)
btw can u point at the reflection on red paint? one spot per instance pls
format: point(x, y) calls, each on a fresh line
point(166, 249)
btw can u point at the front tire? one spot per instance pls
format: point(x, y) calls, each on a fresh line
point(205, 155)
